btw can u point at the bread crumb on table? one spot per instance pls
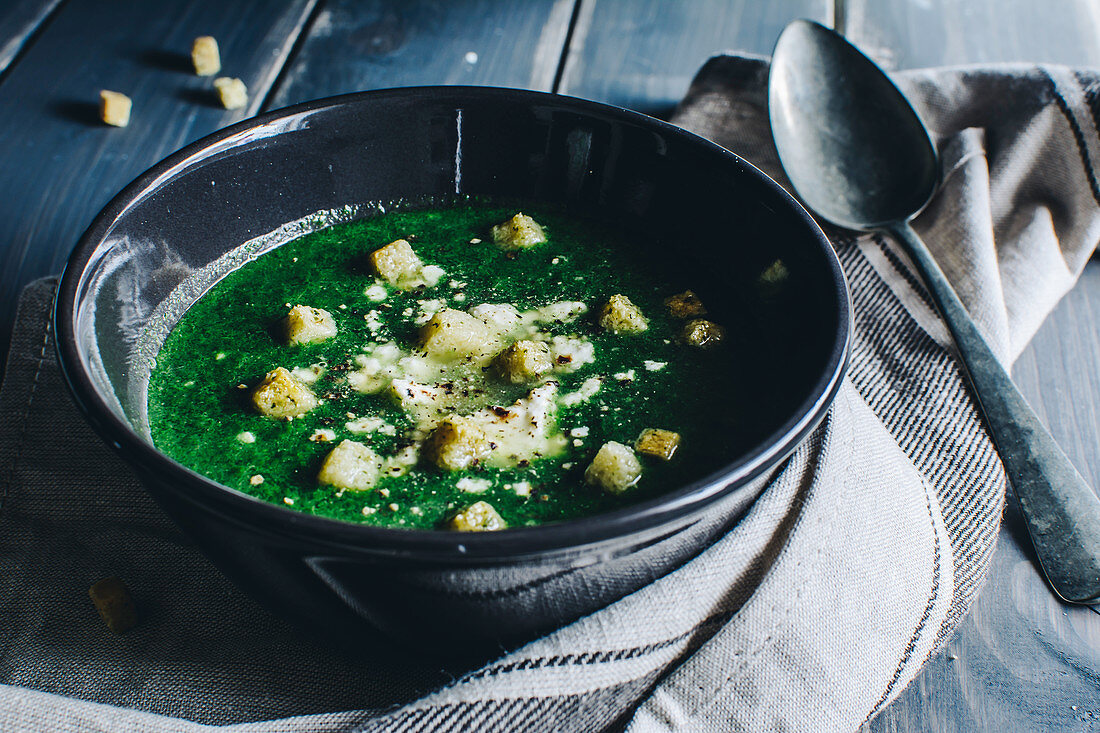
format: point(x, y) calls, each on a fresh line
point(114, 108)
point(205, 56)
point(232, 92)
point(116, 607)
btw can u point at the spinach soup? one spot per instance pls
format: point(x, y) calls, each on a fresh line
point(464, 368)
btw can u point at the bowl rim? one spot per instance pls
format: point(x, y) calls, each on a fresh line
point(653, 516)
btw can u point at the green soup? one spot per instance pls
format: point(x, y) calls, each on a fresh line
point(481, 372)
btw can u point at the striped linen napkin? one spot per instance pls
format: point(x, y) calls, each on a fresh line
point(854, 566)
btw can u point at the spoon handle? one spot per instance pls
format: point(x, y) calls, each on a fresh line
point(1061, 511)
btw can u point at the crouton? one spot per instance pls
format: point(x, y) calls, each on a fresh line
point(478, 517)
point(205, 56)
point(350, 465)
point(614, 469)
point(524, 361)
point(702, 333)
point(232, 93)
point(657, 443)
point(305, 325)
point(452, 335)
point(457, 443)
point(519, 232)
point(114, 108)
point(685, 305)
point(619, 315)
point(396, 263)
point(280, 395)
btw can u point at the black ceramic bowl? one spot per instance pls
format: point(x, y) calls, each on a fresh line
point(180, 226)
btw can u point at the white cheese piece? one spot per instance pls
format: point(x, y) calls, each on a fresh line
point(322, 435)
point(474, 485)
point(428, 308)
point(522, 488)
point(432, 274)
point(309, 374)
point(246, 437)
point(374, 321)
point(376, 292)
point(570, 353)
point(581, 432)
point(524, 431)
point(627, 376)
point(364, 425)
point(655, 366)
point(501, 317)
point(584, 393)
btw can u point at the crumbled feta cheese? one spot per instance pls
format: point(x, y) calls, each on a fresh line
point(374, 320)
point(474, 485)
point(571, 352)
point(288, 501)
point(256, 480)
point(368, 510)
point(322, 435)
point(432, 274)
point(246, 437)
point(627, 376)
point(428, 308)
point(655, 366)
point(581, 432)
point(219, 356)
point(522, 488)
point(584, 393)
point(308, 375)
point(376, 292)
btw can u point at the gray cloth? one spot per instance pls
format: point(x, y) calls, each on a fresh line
point(817, 609)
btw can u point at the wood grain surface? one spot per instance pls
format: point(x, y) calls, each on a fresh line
point(642, 54)
point(19, 20)
point(354, 46)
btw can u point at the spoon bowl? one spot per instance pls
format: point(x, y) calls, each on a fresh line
point(858, 155)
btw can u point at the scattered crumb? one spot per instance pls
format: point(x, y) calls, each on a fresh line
point(385, 493)
point(368, 510)
point(256, 480)
point(205, 56)
point(246, 437)
point(219, 356)
point(322, 435)
point(114, 108)
point(471, 57)
point(288, 501)
point(393, 507)
point(655, 366)
point(475, 240)
point(232, 92)
point(114, 603)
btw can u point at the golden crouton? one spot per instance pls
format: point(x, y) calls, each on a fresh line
point(772, 281)
point(478, 517)
point(350, 465)
point(619, 315)
point(232, 93)
point(305, 325)
point(457, 443)
point(281, 395)
point(519, 232)
point(614, 469)
point(205, 56)
point(452, 335)
point(116, 607)
point(114, 108)
point(524, 361)
point(702, 333)
point(685, 305)
point(658, 443)
point(396, 263)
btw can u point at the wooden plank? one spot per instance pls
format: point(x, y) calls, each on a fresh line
point(19, 19)
point(62, 164)
point(907, 34)
point(642, 54)
point(356, 45)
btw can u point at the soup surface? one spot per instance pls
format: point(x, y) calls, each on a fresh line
point(458, 368)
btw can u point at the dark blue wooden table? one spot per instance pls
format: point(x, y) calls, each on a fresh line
point(1022, 661)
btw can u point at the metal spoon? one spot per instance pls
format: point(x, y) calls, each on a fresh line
point(860, 157)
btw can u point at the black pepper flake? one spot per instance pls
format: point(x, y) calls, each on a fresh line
point(500, 411)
